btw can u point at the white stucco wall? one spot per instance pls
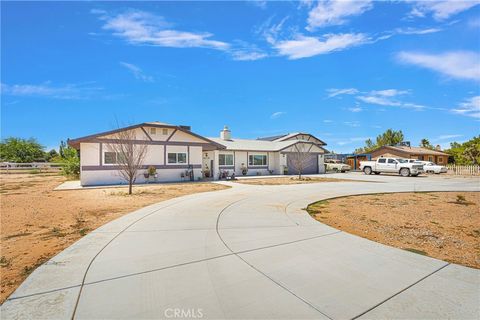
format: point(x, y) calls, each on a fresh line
point(89, 154)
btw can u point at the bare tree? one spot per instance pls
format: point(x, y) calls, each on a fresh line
point(300, 157)
point(128, 155)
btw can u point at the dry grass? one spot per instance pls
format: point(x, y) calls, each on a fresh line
point(443, 225)
point(37, 222)
point(287, 180)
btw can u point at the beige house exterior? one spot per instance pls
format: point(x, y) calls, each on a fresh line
point(176, 151)
point(407, 152)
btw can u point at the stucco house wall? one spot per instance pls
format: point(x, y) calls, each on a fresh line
point(201, 153)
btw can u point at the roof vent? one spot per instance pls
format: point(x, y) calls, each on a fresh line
point(225, 134)
point(186, 127)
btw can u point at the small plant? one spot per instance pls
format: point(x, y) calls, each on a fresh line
point(83, 231)
point(57, 232)
point(461, 198)
point(4, 262)
point(244, 169)
point(152, 171)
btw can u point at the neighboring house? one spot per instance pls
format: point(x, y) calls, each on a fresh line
point(174, 149)
point(411, 153)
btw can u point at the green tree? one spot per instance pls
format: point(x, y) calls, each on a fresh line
point(21, 150)
point(389, 137)
point(51, 155)
point(425, 143)
point(70, 160)
point(467, 153)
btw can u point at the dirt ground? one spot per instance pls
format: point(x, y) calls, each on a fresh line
point(287, 180)
point(443, 225)
point(37, 222)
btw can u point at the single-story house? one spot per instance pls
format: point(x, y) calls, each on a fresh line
point(173, 150)
point(408, 152)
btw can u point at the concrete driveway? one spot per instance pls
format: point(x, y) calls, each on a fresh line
point(248, 252)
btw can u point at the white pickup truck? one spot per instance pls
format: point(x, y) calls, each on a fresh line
point(391, 165)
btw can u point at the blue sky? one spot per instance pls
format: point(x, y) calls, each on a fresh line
point(343, 71)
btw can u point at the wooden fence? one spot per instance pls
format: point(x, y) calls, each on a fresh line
point(457, 170)
point(11, 167)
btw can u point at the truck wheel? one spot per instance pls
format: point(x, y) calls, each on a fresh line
point(367, 170)
point(404, 172)
point(335, 170)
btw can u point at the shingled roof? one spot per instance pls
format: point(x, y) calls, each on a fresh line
point(414, 150)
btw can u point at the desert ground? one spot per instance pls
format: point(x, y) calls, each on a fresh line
point(37, 222)
point(443, 225)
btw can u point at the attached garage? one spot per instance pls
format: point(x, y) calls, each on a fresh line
point(310, 165)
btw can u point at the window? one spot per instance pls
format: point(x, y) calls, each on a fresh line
point(164, 132)
point(440, 159)
point(177, 157)
point(153, 130)
point(112, 158)
point(392, 161)
point(430, 158)
point(225, 159)
point(257, 160)
point(382, 160)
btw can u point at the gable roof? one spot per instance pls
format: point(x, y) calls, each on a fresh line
point(75, 143)
point(294, 134)
point(258, 145)
point(413, 150)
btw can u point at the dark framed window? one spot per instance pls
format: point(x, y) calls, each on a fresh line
point(225, 159)
point(180, 157)
point(382, 160)
point(112, 158)
point(257, 160)
point(392, 161)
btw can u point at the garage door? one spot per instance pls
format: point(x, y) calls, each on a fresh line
point(310, 165)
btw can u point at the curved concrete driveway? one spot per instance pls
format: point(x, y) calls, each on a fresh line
point(248, 252)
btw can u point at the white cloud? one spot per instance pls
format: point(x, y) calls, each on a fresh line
point(327, 121)
point(333, 92)
point(277, 114)
point(139, 27)
point(353, 124)
point(244, 51)
point(352, 140)
point(389, 97)
point(441, 10)
point(355, 109)
point(242, 55)
point(389, 92)
point(449, 136)
point(470, 107)
point(302, 46)
point(411, 30)
point(137, 72)
point(455, 64)
point(262, 4)
point(335, 12)
point(67, 92)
